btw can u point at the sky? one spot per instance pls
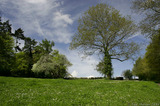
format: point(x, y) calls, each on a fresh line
point(57, 20)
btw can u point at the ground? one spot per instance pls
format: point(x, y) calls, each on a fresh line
point(35, 91)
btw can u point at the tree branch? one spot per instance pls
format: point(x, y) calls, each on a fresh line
point(120, 59)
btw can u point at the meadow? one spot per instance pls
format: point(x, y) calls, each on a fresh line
point(58, 92)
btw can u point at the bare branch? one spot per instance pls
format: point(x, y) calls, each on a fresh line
point(120, 59)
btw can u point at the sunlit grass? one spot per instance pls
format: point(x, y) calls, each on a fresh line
point(31, 91)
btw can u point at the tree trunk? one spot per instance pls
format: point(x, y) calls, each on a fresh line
point(107, 65)
point(30, 62)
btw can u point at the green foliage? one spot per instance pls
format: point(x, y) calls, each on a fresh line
point(81, 92)
point(44, 67)
point(20, 65)
point(127, 74)
point(105, 67)
point(138, 69)
point(148, 68)
point(151, 8)
point(6, 48)
point(104, 31)
point(51, 66)
point(28, 49)
point(153, 58)
point(18, 36)
point(47, 46)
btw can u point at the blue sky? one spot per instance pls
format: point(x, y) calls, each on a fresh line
point(57, 20)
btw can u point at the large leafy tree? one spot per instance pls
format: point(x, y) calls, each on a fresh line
point(103, 30)
point(6, 48)
point(151, 21)
point(52, 66)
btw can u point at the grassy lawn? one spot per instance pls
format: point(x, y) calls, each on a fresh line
point(32, 91)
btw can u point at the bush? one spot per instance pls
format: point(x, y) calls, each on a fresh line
point(51, 66)
point(119, 78)
point(127, 74)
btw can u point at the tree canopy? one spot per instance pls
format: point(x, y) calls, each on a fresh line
point(104, 31)
point(148, 67)
point(52, 66)
point(6, 48)
point(151, 8)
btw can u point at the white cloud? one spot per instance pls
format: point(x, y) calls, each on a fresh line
point(74, 73)
point(61, 20)
point(40, 18)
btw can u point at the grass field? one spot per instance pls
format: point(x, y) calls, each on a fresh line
point(32, 91)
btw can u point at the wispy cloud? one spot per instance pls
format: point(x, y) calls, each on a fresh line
point(44, 18)
point(35, 1)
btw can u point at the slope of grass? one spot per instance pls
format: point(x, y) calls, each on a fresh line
point(31, 91)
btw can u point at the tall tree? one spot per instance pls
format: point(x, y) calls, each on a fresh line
point(28, 49)
point(103, 30)
point(148, 68)
point(151, 8)
point(20, 67)
point(47, 46)
point(6, 48)
point(141, 69)
point(18, 36)
point(153, 57)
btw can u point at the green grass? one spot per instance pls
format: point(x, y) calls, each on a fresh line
point(58, 92)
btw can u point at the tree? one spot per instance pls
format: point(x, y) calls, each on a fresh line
point(47, 46)
point(150, 24)
point(20, 67)
point(43, 48)
point(101, 67)
point(51, 66)
point(6, 48)
point(153, 58)
point(28, 49)
point(148, 67)
point(18, 36)
point(127, 74)
point(104, 31)
point(140, 69)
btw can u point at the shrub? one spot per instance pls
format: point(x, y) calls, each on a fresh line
point(127, 74)
point(51, 66)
